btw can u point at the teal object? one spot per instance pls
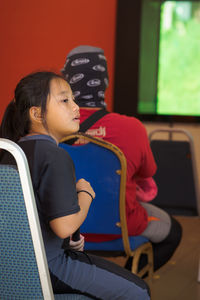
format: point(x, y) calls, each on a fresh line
point(23, 266)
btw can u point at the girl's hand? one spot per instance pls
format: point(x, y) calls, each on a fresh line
point(78, 245)
point(83, 185)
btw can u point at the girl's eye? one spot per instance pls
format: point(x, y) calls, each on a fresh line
point(65, 100)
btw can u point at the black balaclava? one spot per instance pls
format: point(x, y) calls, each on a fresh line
point(85, 70)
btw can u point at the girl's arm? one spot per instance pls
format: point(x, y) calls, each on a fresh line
point(67, 225)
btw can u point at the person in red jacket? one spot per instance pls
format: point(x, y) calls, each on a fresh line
point(86, 71)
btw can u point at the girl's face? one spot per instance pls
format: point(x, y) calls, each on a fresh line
point(62, 114)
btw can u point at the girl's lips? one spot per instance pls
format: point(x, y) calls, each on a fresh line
point(77, 120)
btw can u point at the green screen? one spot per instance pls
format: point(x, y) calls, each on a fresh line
point(178, 90)
point(169, 65)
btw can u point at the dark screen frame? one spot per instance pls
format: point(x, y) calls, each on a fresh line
point(128, 75)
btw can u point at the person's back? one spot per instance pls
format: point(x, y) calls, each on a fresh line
point(130, 136)
point(86, 71)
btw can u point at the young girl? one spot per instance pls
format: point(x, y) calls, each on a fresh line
point(41, 114)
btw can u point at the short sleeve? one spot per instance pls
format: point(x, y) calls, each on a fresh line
point(57, 187)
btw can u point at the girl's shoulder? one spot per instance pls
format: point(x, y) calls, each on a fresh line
point(42, 151)
point(52, 151)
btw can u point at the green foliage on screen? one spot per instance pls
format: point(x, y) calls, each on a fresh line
point(179, 59)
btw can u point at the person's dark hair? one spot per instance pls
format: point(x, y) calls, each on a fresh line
point(32, 90)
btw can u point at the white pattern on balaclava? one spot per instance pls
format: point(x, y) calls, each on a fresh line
point(85, 70)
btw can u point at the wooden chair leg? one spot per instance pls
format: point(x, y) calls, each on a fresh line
point(144, 249)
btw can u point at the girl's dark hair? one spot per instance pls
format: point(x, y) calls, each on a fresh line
point(32, 90)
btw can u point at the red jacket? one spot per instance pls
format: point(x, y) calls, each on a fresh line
point(129, 134)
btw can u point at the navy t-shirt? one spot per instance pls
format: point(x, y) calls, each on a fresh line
point(54, 185)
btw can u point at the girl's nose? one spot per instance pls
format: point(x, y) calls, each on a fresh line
point(75, 106)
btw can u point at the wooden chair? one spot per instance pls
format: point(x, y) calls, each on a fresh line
point(23, 265)
point(104, 166)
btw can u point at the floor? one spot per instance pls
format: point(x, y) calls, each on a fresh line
point(177, 280)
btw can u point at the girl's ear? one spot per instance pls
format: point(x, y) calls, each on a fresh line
point(35, 114)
